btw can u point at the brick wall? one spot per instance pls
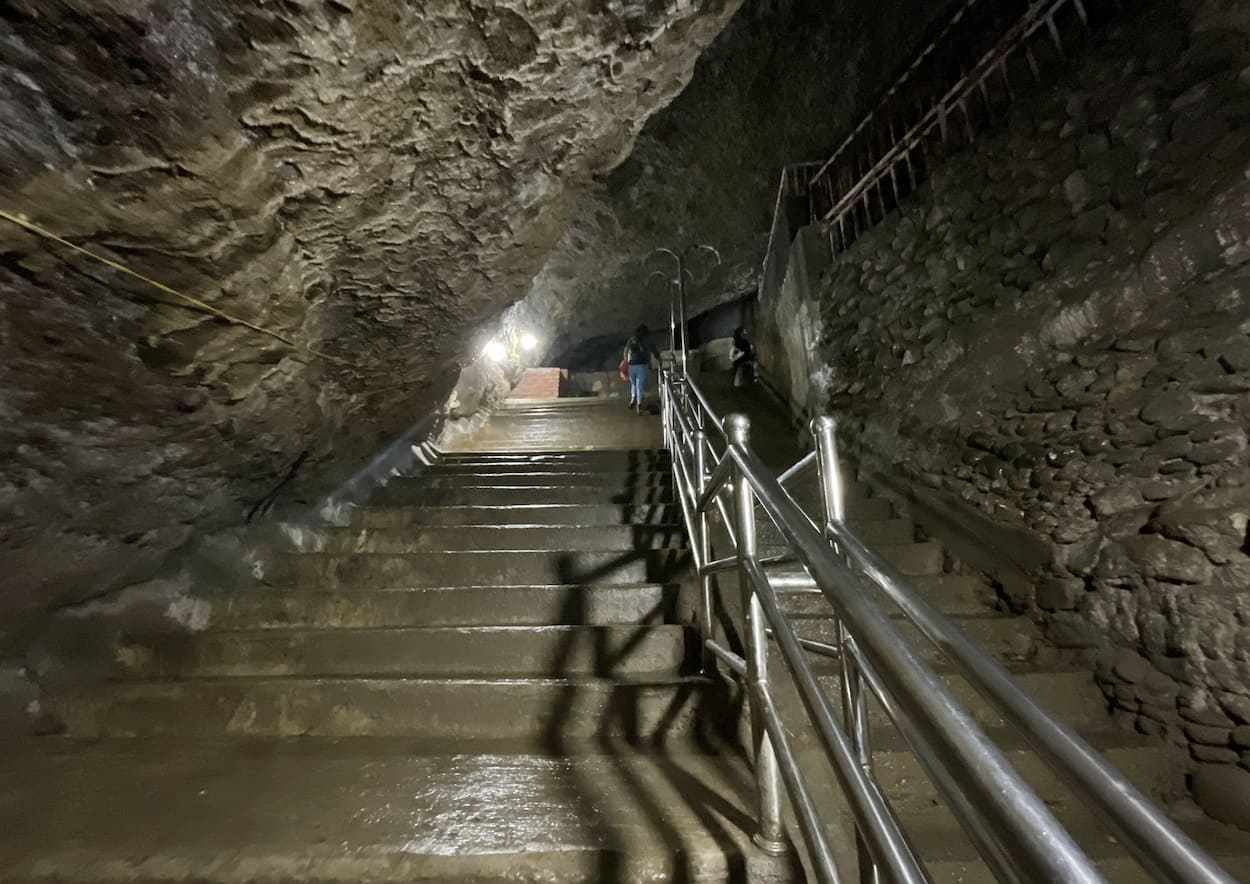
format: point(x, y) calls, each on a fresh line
point(539, 383)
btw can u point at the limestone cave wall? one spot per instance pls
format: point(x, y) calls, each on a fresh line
point(372, 179)
point(1050, 342)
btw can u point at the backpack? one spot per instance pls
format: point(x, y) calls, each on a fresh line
point(634, 351)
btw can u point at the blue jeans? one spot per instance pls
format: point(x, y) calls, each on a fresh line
point(637, 382)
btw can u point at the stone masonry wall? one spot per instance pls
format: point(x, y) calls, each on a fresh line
point(1051, 337)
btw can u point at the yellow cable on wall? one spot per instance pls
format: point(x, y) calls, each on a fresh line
point(189, 301)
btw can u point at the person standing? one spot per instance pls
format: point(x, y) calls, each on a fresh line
point(743, 358)
point(638, 352)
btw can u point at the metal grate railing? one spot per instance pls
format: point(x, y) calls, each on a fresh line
point(955, 87)
point(717, 471)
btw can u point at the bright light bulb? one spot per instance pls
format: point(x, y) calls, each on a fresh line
point(528, 342)
point(495, 351)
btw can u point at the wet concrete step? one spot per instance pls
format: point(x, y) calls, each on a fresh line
point(601, 604)
point(911, 559)
point(518, 514)
point(521, 468)
point(954, 594)
point(494, 651)
point(608, 460)
point(951, 858)
point(603, 481)
point(476, 568)
point(807, 489)
point(487, 537)
point(909, 789)
point(352, 811)
point(857, 508)
point(626, 431)
point(400, 494)
point(1007, 638)
point(523, 709)
point(1070, 694)
point(871, 531)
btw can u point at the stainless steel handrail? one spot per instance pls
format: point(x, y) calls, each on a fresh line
point(1134, 819)
point(1014, 831)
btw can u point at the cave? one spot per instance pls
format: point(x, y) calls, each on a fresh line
point(265, 268)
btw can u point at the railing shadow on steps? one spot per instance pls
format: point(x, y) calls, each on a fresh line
point(717, 709)
point(1013, 831)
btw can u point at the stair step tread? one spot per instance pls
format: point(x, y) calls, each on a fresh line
point(1071, 694)
point(950, 856)
point(642, 707)
point(953, 594)
point(354, 811)
point(518, 513)
point(491, 492)
point(487, 567)
point(501, 651)
point(1005, 636)
point(603, 604)
point(912, 559)
point(489, 537)
point(558, 477)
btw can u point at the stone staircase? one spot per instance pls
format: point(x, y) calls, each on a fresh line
point(487, 676)
point(490, 675)
point(1068, 691)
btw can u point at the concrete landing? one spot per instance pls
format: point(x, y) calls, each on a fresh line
point(578, 425)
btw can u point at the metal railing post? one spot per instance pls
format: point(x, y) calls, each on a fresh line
point(681, 309)
point(666, 404)
point(771, 835)
point(854, 701)
point(704, 554)
point(824, 434)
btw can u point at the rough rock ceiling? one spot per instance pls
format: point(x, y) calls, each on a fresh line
point(374, 178)
point(784, 82)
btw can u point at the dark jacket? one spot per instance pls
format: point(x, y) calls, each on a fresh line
point(746, 353)
point(640, 349)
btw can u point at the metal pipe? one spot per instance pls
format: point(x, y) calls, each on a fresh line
point(821, 649)
point(1026, 843)
point(1153, 839)
point(824, 432)
point(948, 784)
point(719, 475)
point(729, 562)
point(854, 712)
point(686, 514)
point(681, 310)
point(702, 540)
point(736, 664)
point(771, 835)
point(818, 849)
point(886, 837)
point(804, 464)
point(713, 418)
point(727, 523)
